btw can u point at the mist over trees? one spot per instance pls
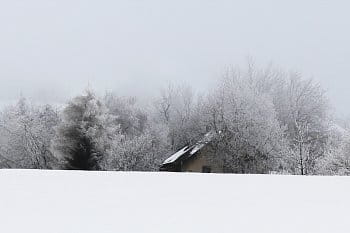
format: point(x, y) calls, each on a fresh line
point(269, 121)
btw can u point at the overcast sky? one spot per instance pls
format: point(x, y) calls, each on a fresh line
point(52, 49)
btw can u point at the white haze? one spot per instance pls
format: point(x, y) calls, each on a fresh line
point(51, 50)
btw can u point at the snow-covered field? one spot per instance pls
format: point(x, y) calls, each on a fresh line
point(101, 202)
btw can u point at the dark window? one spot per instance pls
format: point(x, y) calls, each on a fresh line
point(206, 169)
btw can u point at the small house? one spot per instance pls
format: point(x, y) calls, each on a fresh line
point(200, 157)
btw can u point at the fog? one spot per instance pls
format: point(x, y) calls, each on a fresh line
point(51, 50)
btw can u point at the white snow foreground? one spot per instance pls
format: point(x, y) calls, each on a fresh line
point(109, 202)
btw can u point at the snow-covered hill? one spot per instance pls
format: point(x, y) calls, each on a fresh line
point(101, 202)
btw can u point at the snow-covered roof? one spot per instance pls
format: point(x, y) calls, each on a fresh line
point(191, 150)
point(177, 155)
point(205, 140)
point(196, 149)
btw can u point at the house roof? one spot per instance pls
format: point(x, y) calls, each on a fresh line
point(189, 151)
point(177, 155)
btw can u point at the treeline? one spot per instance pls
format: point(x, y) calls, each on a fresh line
point(269, 121)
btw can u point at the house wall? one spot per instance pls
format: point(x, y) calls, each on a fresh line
point(206, 157)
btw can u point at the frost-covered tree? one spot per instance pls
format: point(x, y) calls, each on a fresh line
point(139, 153)
point(337, 158)
point(251, 139)
point(111, 133)
point(337, 161)
point(140, 145)
point(302, 108)
point(26, 133)
point(178, 108)
point(131, 118)
point(80, 137)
